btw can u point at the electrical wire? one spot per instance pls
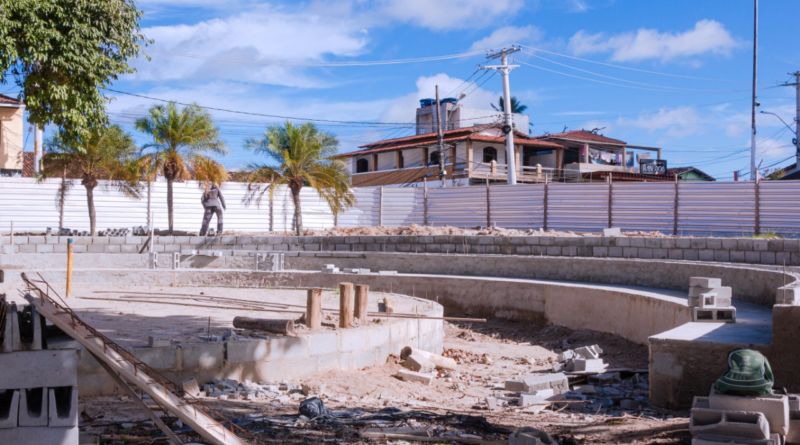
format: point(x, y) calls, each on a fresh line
point(623, 67)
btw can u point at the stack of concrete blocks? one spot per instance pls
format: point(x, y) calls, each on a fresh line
point(746, 420)
point(583, 359)
point(711, 301)
point(38, 388)
point(537, 389)
point(330, 268)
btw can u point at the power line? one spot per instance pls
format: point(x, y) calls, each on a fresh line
point(623, 67)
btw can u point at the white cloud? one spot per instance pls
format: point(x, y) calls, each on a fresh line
point(451, 14)
point(775, 148)
point(253, 46)
point(706, 37)
point(508, 35)
point(403, 109)
point(673, 122)
point(578, 6)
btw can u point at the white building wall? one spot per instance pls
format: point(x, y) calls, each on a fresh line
point(413, 158)
point(387, 160)
point(477, 151)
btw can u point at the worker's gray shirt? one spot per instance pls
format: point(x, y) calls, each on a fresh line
point(213, 198)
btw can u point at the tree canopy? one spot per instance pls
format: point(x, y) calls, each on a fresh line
point(61, 52)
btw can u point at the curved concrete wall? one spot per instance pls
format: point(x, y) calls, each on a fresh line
point(261, 360)
point(756, 285)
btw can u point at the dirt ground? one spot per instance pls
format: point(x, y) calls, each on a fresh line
point(454, 405)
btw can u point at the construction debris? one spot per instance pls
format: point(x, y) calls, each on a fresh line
point(421, 356)
point(413, 376)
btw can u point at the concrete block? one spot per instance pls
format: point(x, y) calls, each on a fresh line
point(63, 406)
point(9, 408)
point(714, 315)
point(589, 352)
point(767, 257)
point(40, 435)
point(738, 424)
point(774, 439)
point(589, 365)
point(535, 382)
point(11, 337)
point(33, 407)
point(44, 248)
point(612, 231)
point(787, 295)
point(411, 376)
point(722, 292)
point(775, 408)
point(704, 282)
point(29, 369)
point(26, 248)
point(530, 436)
point(706, 255)
point(536, 398)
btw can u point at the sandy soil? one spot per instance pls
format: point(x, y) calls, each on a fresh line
point(488, 354)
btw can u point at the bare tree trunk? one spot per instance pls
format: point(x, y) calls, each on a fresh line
point(169, 203)
point(92, 213)
point(62, 198)
point(298, 213)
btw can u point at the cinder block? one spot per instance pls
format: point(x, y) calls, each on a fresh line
point(612, 231)
point(775, 408)
point(535, 382)
point(589, 365)
point(33, 407)
point(704, 282)
point(774, 439)
point(63, 406)
point(714, 315)
point(535, 398)
point(9, 408)
point(738, 424)
point(11, 337)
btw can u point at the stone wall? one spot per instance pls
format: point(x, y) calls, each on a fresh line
point(735, 250)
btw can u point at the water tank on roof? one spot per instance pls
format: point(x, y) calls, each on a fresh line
point(426, 102)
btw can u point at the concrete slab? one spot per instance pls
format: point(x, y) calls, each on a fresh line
point(33, 369)
point(753, 326)
point(39, 436)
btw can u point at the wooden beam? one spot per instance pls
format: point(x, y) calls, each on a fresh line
point(362, 299)
point(314, 308)
point(346, 302)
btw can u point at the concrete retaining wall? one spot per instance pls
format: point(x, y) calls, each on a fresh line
point(261, 360)
point(735, 250)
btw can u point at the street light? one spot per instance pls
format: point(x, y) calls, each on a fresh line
point(781, 119)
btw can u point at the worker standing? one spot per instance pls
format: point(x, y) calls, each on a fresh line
point(213, 203)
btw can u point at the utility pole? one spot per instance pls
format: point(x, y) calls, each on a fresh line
point(796, 141)
point(508, 120)
point(753, 173)
point(440, 139)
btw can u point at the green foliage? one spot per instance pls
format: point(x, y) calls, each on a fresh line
point(516, 105)
point(180, 139)
point(99, 153)
point(59, 52)
point(300, 156)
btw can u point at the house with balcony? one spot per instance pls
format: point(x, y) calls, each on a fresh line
point(474, 153)
point(11, 136)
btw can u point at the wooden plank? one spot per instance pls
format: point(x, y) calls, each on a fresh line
point(346, 301)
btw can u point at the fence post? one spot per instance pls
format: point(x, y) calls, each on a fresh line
point(610, 199)
point(380, 206)
point(757, 186)
point(546, 198)
point(488, 206)
point(425, 201)
point(675, 209)
point(271, 212)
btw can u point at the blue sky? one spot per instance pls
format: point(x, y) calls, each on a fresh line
point(669, 73)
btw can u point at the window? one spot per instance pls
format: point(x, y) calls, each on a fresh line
point(434, 158)
point(489, 154)
point(362, 166)
point(400, 161)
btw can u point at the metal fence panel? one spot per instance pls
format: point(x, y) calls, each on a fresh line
point(402, 206)
point(365, 210)
point(780, 207)
point(717, 208)
point(457, 206)
point(582, 207)
point(647, 206)
point(520, 206)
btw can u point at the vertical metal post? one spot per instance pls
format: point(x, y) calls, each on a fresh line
point(488, 206)
point(545, 204)
point(69, 268)
point(675, 209)
point(509, 121)
point(610, 199)
point(380, 206)
point(757, 205)
point(425, 201)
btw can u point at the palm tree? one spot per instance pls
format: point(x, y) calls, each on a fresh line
point(300, 156)
point(180, 138)
point(516, 105)
point(100, 153)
